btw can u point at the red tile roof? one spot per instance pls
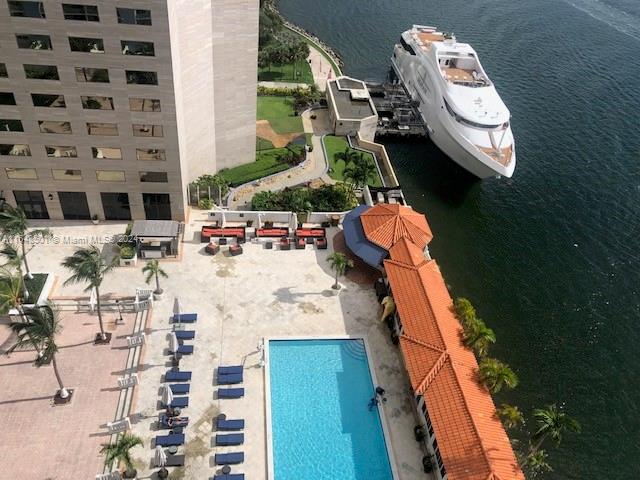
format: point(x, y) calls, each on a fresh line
point(386, 224)
point(471, 438)
point(405, 251)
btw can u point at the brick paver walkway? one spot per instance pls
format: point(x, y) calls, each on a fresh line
point(41, 441)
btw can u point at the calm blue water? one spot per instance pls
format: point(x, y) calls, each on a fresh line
point(551, 257)
point(322, 428)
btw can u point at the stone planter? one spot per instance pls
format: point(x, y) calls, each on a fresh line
point(129, 262)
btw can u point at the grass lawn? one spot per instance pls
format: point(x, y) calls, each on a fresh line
point(279, 112)
point(335, 67)
point(300, 73)
point(263, 144)
point(335, 145)
point(34, 286)
point(266, 164)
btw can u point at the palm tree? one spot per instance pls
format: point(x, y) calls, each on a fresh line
point(11, 291)
point(360, 171)
point(479, 337)
point(339, 263)
point(41, 328)
point(536, 464)
point(120, 451)
point(552, 423)
point(510, 415)
point(347, 156)
point(495, 375)
point(88, 265)
point(152, 269)
point(464, 311)
point(13, 224)
point(14, 260)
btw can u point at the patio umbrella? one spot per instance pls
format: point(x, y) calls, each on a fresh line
point(167, 395)
point(93, 300)
point(159, 457)
point(177, 309)
point(293, 223)
point(259, 220)
point(173, 342)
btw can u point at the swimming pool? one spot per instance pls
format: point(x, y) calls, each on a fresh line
point(321, 426)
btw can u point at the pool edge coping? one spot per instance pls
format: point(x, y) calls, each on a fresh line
point(267, 391)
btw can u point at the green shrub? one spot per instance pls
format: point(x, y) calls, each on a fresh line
point(328, 198)
point(205, 204)
point(127, 252)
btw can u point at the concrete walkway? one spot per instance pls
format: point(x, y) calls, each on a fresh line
point(313, 168)
point(321, 68)
point(282, 85)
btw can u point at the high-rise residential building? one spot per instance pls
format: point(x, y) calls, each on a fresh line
point(111, 108)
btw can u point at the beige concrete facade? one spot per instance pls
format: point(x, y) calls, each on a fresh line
point(198, 134)
point(347, 118)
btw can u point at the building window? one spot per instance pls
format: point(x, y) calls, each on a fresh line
point(157, 206)
point(94, 128)
point(110, 175)
point(21, 173)
point(87, 13)
point(7, 98)
point(32, 203)
point(134, 16)
point(112, 153)
point(48, 100)
point(26, 9)
point(62, 174)
point(55, 127)
point(3, 71)
point(147, 130)
point(152, 154)
point(157, 177)
point(41, 72)
point(141, 78)
point(115, 206)
point(144, 105)
point(34, 42)
point(15, 149)
point(131, 47)
point(74, 205)
point(87, 45)
point(7, 125)
point(97, 75)
point(61, 151)
point(97, 103)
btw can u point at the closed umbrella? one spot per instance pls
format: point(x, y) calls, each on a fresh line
point(160, 458)
point(93, 300)
point(293, 222)
point(167, 395)
point(177, 310)
point(173, 342)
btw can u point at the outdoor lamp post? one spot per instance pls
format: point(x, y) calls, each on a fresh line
point(120, 319)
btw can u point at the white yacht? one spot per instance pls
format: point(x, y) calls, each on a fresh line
point(465, 116)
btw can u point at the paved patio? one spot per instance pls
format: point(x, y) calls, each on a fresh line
point(41, 441)
point(239, 301)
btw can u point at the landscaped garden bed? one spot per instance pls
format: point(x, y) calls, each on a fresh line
point(336, 147)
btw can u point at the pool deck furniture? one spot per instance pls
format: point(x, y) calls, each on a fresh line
point(229, 439)
point(272, 232)
point(321, 243)
point(227, 232)
point(185, 334)
point(268, 245)
point(229, 476)
point(212, 248)
point(225, 425)
point(235, 250)
point(233, 458)
point(177, 376)
point(180, 388)
point(174, 461)
point(184, 318)
point(229, 378)
point(230, 392)
point(285, 243)
point(183, 350)
point(226, 370)
point(300, 243)
point(180, 402)
point(310, 233)
point(175, 421)
point(169, 440)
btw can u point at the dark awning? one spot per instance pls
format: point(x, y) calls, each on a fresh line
point(357, 241)
point(155, 228)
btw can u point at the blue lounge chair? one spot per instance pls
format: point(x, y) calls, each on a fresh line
point(174, 461)
point(180, 402)
point(180, 388)
point(177, 422)
point(185, 349)
point(185, 334)
point(229, 476)
point(229, 439)
point(230, 392)
point(230, 370)
point(185, 318)
point(228, 425)
point(229, 379)
point(170, 440)
point(229, 458)
point(173, 376)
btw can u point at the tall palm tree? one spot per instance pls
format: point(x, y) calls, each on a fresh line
point(347, 156)
point(41, 328)
point(496, 375)
point(360, 171)
point(339, 263)
point(14, 260)
point(88, 265)
point(510, 415)
point(552, 423)
point(464, 311)
point(536, 464)
point(119, 451)
point(479, 337)
point(11, 291)
point(153, 269)
point(13, 225)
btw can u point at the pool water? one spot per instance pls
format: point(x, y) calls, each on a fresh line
point(321, 425)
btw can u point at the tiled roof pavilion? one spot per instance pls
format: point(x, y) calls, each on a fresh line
point(471, 438)
point(386, 224)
